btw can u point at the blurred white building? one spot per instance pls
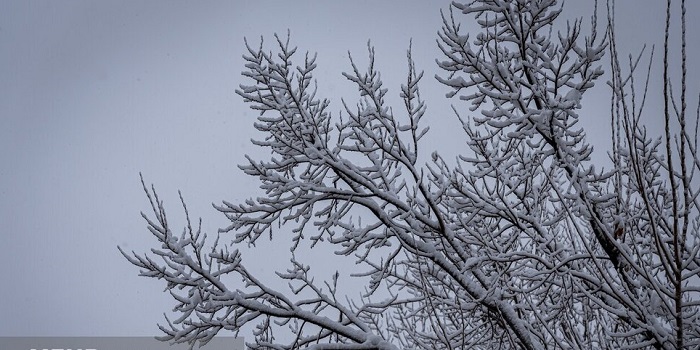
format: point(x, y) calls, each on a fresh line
point(112, 343)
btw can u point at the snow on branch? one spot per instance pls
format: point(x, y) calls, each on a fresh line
point(522, 244)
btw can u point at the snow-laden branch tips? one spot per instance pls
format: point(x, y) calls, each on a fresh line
point(521, 243)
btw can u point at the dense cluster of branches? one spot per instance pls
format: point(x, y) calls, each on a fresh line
point(522, 243)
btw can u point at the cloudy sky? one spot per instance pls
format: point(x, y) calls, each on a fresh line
point(94, 92)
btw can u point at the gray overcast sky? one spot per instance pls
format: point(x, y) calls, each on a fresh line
point(94, 92)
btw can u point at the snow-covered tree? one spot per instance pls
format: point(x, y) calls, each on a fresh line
point(520, 243)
